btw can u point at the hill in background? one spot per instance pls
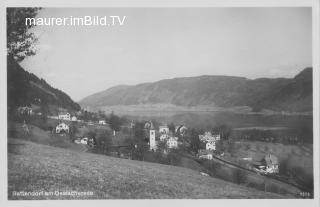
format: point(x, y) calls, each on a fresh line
point(278, 94)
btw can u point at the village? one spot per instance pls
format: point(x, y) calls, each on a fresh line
point(215, 151)
point(168, 138)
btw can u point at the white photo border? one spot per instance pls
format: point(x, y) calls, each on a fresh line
point(166, 3)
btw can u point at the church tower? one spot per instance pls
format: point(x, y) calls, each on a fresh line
point(152, 138)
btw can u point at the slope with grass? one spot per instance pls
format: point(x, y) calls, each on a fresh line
point(40, 168)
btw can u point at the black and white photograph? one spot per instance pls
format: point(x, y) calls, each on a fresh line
point(117, 103)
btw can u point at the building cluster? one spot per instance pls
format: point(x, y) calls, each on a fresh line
point(163, 134)
point(268, 165)
point(85, 141)
point(210, 141)
point(26, 110)
point(66, 116)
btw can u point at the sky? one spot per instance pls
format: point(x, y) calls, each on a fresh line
point(161, 43)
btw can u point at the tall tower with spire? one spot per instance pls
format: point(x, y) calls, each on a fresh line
point(152, 137)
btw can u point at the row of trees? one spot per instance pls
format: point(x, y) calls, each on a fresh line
point(286, 136)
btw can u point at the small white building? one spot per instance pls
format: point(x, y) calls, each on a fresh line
point(74, 118)
point(210, 140)
point(25, 110)
point(102, 122)
point(64, 116)
point(164, 129)
point(206, 156)
point(211, 146)
point(172, 142)
point(209, 137)
point(84, 140)
point(62, 127)
point(164, 137)
point(272, 164)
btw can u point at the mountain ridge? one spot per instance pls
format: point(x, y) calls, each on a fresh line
point(288, 94)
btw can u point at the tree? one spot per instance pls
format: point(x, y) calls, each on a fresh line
point(162, 146)
point(239, 176)
point(174, 157)
point(103, 141)
point(172, 127)
point(220, 148)
point(231, 147)
point(224, 131)
point(192, 136)
point(137, 143)
point(72, 131)
point(20, 41)
point(115, 122)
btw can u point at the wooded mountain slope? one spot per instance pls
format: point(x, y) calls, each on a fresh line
point(277, 94)
point(25, 88)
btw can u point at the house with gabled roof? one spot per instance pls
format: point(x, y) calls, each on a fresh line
point(62, 127)
point(64, 116)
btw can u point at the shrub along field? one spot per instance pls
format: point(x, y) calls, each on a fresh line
point(35, 167)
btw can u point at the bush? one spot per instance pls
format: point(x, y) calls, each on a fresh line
point(174, 158)
point(239, 176)
point(273, 188)
point(284, 167)
point(212, 167)
point(103, 141)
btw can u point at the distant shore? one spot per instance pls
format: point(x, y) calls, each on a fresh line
point(171, 109)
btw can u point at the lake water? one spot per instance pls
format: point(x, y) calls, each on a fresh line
point(234, 120)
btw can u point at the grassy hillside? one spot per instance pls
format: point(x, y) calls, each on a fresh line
point(36, 167)
point(220, 91)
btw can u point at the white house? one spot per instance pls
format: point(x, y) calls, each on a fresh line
point(210, 140)
point(74, 118)
point(84, 140)
point(164, 129)
point(272, 164)
point(64, 116)
point(172, 142)
point(62, 127)
point(208, 137)
point(25, 110)
point(211, 146)
point(102, 122)
point(164, 137)
point(269, 165)
point(206, 156)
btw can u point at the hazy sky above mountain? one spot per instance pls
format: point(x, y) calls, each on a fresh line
point(155, 44)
